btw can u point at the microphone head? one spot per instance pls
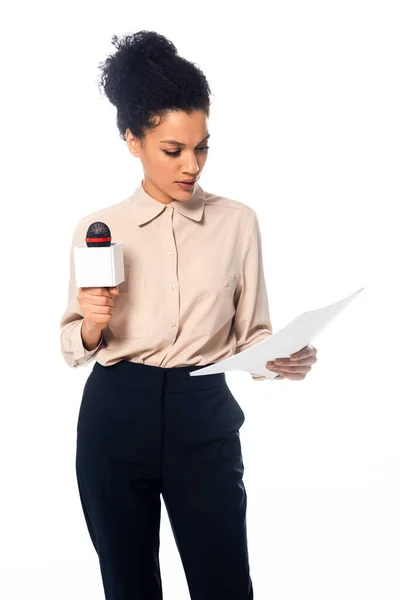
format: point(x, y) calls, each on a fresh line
point(98, 234)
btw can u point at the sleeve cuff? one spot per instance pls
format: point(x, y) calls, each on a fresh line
point(258, 377)
point(80, 352)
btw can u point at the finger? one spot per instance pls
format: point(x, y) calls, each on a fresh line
point(295, 374)
point(96, 291)
point(99, 292)
point(98, 300)
point(306, 352)
point(287, 369)
point(304, 362)
point(299, 355)
point(291, 375)
point(287, 362)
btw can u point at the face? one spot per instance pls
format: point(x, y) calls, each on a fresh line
point(166, 162)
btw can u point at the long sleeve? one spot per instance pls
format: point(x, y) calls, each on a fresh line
point(252, 321)
point(72, 348)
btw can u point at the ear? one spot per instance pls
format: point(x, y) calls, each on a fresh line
point(132, 143)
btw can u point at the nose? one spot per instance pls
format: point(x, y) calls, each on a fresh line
point(192, 167)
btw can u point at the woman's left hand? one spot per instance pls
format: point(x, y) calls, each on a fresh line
point(296, 366)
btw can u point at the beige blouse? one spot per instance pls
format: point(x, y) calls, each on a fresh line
point(194, 290)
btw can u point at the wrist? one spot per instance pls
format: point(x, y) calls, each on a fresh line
point(90, 335)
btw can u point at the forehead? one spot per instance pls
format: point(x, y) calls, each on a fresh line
point(181, 126)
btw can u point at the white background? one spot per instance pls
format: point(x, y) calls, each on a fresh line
point(305, 130)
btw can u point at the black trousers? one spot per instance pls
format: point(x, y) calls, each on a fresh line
point(144, 431)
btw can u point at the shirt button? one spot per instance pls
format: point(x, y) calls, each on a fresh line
point(225, 283)
point(172, 285)
point(170, 253)
point(173, 323)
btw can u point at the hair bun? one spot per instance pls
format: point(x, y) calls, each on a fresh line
point(145, 46)
point(153, 45)
point(146, 78)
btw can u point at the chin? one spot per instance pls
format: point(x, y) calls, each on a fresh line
point(181, 194)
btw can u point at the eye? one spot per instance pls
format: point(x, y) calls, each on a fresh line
point(178, 151)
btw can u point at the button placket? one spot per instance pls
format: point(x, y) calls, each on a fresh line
point(172, 300)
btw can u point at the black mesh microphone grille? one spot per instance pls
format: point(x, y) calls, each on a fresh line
point(98, 234)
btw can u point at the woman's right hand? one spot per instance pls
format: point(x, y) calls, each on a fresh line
point(97, 305)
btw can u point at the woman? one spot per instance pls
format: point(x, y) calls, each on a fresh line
point(194, 293)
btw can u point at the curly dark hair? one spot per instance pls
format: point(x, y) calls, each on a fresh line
point(146, 78)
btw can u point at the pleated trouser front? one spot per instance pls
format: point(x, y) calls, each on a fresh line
point(145, 431)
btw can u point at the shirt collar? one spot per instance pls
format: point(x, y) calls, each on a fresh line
point(147, 208)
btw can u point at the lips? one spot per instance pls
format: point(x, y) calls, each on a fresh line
point(187, 181)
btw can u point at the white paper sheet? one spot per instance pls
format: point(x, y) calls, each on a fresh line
point(297, 334)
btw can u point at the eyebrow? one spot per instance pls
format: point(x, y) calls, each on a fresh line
point(180, 143)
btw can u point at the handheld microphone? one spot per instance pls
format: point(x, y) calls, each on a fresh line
point(99, 262)
point(98, 234)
